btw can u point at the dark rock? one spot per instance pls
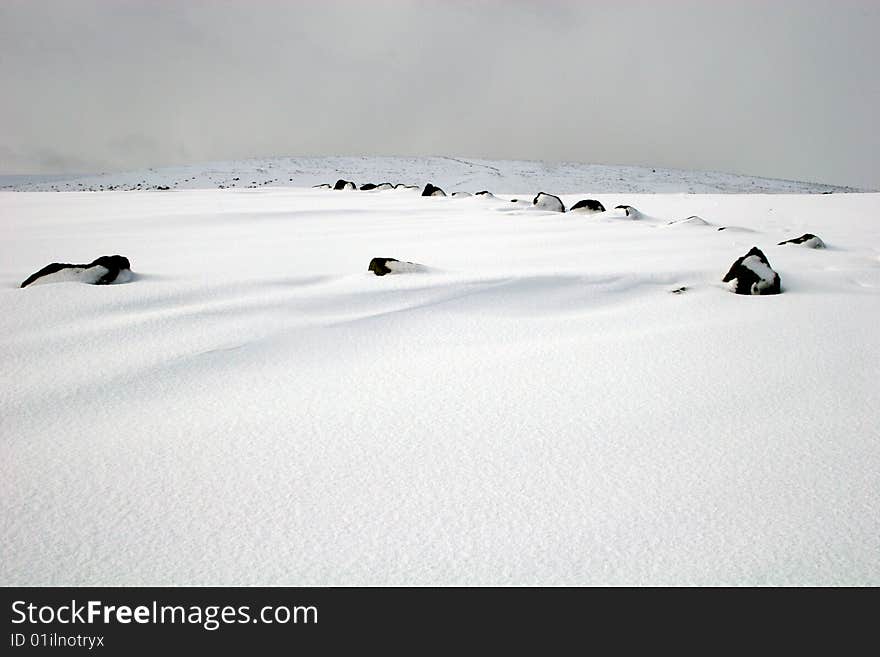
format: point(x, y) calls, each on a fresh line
point(628, 209)
point(588, 205)
point(486, 194)
point(367, 187)
point(114, 265)
point(322, 186)
point(383, 266)
point(379, 266)
point(752, 274)
point(344, 184)
point(808, 240)
point(544, 201)
point(432, 190)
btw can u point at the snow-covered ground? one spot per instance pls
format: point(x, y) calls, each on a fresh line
point(536, 408)
point(450, 173)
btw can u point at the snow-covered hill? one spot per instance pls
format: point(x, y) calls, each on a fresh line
point(557, 399)
point(449, 173)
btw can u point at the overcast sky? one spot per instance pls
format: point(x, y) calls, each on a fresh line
point(779, 88)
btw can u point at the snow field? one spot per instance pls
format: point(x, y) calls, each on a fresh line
point(254, 407)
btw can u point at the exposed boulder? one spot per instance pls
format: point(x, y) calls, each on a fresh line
point(587, 205)
point(383, 266)
point(379, 266)
point(752, 274)
point(367, 186)
point(544, 201)
point(344, 184)
point(808, 240)
point(432, 190)
point(102, 271)
point(485, 194)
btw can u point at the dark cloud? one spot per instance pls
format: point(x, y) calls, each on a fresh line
point(786, 89)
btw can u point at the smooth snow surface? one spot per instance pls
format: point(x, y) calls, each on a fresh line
point(255, 407)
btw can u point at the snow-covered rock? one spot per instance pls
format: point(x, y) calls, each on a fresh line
point(752, 274)
point(383, 266)
point(544, 201)
point(627, 211)
point(587, 206)
point(432, 190)
point(101, 271)
point(807, 240)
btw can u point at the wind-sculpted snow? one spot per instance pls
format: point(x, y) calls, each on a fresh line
point(556, 398)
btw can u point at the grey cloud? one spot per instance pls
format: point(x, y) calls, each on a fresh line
point(786, 89)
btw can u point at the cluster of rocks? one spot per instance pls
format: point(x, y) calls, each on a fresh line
point(543, 200)
point(343, 184)
point(752, 274)
point(553, 203)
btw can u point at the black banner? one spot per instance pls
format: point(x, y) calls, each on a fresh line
point(134, 620)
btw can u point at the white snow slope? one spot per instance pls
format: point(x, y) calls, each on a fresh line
point(537, 408)
point(450, 173)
